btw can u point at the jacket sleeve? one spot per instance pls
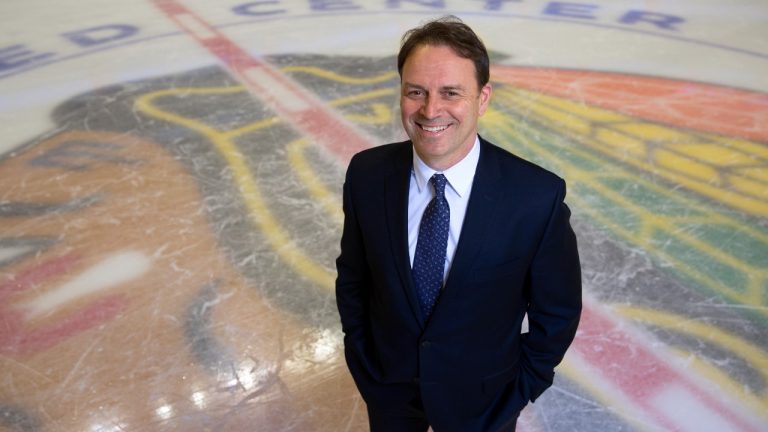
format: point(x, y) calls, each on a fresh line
point(353, 285)
point(554, 301)
point(353, 274)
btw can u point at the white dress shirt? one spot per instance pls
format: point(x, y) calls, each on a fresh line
point(420, 193)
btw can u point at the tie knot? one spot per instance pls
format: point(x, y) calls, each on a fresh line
point(438, 182)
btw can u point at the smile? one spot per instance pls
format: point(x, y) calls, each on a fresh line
point(434, 129)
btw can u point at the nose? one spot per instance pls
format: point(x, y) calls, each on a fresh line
point(431, 107)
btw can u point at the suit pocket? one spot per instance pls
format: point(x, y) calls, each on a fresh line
point(493, 389)
point(496, 382)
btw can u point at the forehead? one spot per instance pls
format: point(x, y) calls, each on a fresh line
point(437, 62)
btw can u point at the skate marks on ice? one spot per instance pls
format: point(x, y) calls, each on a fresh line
point(686, 199)
point(219, 222)
point(132, 304)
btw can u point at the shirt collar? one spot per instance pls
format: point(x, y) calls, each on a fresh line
point(459, 176)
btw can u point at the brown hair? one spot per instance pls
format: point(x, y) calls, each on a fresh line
point(448, 31)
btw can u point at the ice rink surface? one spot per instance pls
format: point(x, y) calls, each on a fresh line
point(170, 177)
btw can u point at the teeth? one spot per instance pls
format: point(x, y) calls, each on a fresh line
point(434, 129)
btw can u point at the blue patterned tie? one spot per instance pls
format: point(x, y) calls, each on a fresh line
point(429, 259)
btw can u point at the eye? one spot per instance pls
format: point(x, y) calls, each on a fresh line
point(414, 93)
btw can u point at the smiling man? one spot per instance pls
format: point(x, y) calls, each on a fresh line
point(448, 242)
point(440, 104)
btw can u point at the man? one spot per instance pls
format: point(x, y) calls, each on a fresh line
point(448, 242)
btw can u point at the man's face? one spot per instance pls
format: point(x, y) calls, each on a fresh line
point(440, 104)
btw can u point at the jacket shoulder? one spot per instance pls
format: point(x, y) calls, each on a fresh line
point(380, 159)
point(375, 155)
point(512, 165)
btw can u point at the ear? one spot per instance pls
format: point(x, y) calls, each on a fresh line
point(485, 98)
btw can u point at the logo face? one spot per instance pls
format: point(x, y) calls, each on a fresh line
point(195, 214)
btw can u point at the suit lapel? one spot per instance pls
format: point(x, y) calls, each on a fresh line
point(396, 186)
point(475, 229)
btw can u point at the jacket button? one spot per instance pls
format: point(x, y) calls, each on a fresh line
point(426, 344)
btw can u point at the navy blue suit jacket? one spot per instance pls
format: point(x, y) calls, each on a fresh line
point(516, 254)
